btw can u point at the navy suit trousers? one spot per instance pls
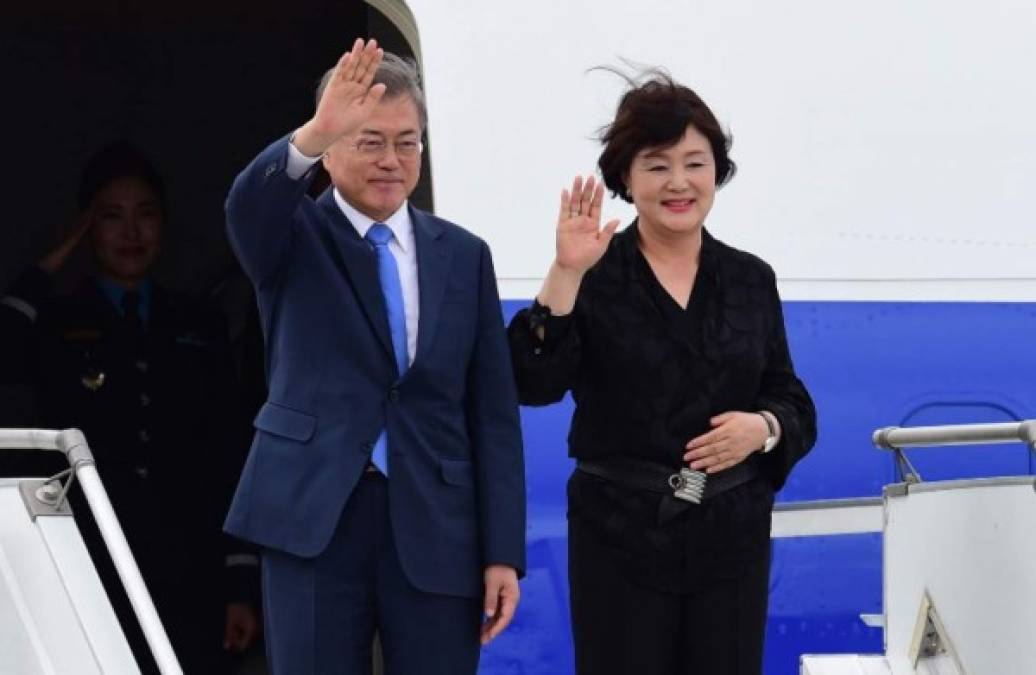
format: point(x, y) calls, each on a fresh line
point(322, 612)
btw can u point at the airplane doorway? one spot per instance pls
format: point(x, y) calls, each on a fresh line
point(201, 87)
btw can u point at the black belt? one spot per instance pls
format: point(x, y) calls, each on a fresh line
point(686, 484)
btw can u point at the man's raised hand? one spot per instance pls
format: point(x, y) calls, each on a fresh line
point(347, 100)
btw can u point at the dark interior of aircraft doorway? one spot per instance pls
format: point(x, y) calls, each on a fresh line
point(199, 88)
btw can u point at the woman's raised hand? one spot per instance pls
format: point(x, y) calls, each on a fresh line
point(580, 239)
point(56, 259)
point(347, 101)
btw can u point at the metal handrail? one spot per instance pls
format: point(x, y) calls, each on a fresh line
point(898, 438)
point(28, 439)
point(72, 444)
point(892, 438)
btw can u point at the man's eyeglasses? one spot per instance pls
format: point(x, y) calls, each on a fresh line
point(377, 147)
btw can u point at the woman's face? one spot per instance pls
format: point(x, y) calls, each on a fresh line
point(673, 188)
point(126, 222)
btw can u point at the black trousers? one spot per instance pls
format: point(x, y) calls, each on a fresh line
point(622, 628)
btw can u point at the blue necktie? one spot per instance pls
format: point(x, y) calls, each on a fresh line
point(379, 235)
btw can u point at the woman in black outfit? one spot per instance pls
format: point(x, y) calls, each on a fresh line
point(673, 346)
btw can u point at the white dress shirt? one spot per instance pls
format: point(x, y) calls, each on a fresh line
point(402, 245)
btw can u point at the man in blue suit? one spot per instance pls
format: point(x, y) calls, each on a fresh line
point(386, 481)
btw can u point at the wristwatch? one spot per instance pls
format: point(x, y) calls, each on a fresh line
point(771, 434)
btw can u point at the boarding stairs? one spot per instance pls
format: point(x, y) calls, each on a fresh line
point(959, 566)
point(55, 618)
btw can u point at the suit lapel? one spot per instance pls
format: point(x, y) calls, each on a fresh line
point(358, 264)
point(433, 267)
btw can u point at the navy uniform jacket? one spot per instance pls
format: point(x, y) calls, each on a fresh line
point(160, 412)
point(456, 484)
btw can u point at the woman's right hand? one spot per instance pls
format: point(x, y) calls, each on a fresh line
point(56, 259)
point(580, 239)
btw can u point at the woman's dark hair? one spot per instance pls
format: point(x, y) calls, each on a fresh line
point(119, 159)
point(654, 113)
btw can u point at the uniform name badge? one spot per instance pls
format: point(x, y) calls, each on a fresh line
point(93, 379)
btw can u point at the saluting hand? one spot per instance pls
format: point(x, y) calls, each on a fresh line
point(56, 259)
point(580, 240)
point(347, 101)
point(734, 436)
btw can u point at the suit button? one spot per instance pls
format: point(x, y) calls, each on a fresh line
point(368, 447)
point(394, 395)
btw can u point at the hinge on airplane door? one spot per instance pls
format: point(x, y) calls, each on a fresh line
point(931, 652)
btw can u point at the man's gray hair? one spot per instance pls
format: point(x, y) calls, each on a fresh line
point(400, 77)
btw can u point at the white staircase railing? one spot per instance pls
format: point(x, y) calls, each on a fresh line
point(46, 498)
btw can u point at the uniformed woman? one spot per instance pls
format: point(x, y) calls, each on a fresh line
point(146, 374)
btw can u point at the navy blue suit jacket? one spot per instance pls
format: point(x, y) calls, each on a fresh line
point(457, 482)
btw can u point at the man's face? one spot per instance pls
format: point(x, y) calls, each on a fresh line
point(125, 226)
point(377, 182)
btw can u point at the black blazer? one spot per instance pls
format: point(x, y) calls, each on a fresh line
point(646, 376)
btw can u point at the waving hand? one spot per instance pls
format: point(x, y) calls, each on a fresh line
point(580, 240)
point(347, 100)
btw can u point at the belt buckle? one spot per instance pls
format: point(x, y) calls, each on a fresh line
point(688, 485)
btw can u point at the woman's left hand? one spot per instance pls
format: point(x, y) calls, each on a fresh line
point(734, 436)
